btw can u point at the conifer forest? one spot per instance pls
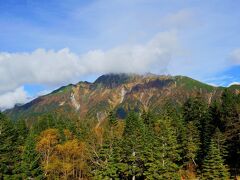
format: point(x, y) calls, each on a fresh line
point(196, 140)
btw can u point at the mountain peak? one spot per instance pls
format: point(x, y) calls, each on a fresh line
point(120, 92)
point(114, 79)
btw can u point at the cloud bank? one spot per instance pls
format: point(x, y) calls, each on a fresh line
point(234, 83)
point(54, 68)
point(9, 99)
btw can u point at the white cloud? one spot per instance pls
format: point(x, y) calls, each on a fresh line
point(54, 68)
point(235, 56)
point(9, 99)
point(153, 56)
point(234, 83)
point(40, 66)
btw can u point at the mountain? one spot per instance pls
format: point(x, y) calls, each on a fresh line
point(121, 92)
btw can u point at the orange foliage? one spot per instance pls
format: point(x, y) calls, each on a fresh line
point(67, 160)
point(99, 134)
point(46, 145)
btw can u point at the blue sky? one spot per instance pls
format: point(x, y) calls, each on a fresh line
point(49, 43)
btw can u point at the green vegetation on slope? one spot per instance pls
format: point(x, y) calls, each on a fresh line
point(191, 84)
point(197, 140)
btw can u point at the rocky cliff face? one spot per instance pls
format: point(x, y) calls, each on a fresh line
point(116, 91)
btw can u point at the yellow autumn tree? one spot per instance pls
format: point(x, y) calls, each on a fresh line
point(72, 155)
point(47, 141)
point(67, 160)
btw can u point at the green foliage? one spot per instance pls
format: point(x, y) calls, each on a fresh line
point(148, 118)
point(54, 121)
point(230, 116)
point(112, 118)
point(133, 145)
point(8, 147)
point(30, 165)
point(196, 111)
point(164, 155)
point(197, 140)
point(108, 162)
point(105, 164)
point(189, 83)
point(213, 165)
point(215, 113)
point(192, 144)
point(220, 140)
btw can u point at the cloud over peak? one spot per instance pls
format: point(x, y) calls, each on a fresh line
point(54, 68)
point(51, 68)
point(9, 99)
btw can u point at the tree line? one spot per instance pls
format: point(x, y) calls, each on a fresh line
point(196, 140)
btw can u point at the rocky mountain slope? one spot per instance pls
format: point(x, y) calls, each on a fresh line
point(117, 91)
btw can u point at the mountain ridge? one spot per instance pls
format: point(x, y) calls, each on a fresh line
point(121, 92)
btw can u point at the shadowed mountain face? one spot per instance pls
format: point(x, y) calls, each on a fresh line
point(121, 92)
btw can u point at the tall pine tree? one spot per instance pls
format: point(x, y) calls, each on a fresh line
point(196, 110)
point(213, 164)
point(230, 115)
point(165, 156)
point(132, 146)
point(30, 165)
point(8, 147)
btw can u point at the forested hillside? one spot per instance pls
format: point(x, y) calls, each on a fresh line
point(196, 139)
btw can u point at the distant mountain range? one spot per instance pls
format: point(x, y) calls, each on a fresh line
point(120, 92)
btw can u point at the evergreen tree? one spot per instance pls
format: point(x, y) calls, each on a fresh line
point(228, 103)
point(132, 146)
point(164, 158)
point(148, 118)
point(8, 147)
point(105, 158)
point(191, 145)
point(230, 115)
point(220, 139)
point(112, 118)
point(173, 111)
point(197, 111)
point(215, 114)
point(30, 165)
point(213, 165)
point(108, 162)
point(22, 133)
